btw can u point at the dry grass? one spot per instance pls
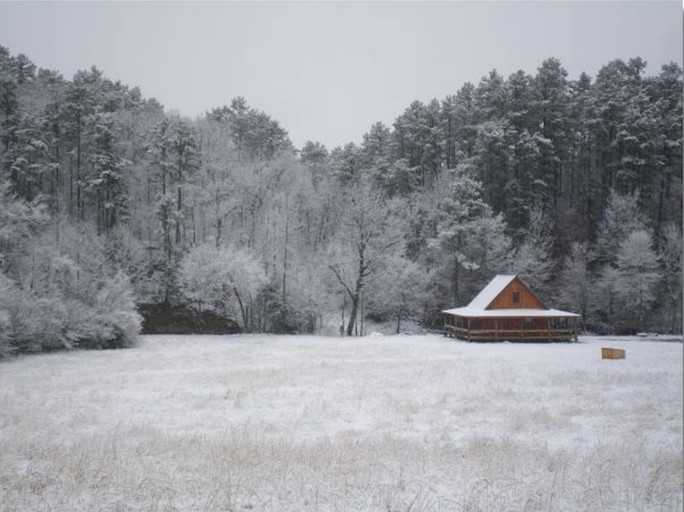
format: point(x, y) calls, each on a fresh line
point(296, 423)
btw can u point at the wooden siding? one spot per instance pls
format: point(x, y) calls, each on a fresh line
point(528, 300)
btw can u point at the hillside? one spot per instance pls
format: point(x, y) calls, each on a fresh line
point(109, 201)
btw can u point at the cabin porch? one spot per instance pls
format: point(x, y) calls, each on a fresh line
point(511, 329)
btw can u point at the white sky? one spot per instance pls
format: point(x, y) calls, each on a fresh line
point(327, 70)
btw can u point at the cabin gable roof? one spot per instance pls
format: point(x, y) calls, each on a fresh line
point(493, 295)
point(527, 299)
point(496, 300)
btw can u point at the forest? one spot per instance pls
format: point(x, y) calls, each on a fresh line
point(111, 204)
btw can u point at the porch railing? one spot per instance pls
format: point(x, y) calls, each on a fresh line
point(510, 334)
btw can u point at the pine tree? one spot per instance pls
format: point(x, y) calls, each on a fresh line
point(671, 260)
point(468, 238)
point(82, 99)
point(183, 164)
point(533, 259)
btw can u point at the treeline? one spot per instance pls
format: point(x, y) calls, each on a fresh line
point(109, 200)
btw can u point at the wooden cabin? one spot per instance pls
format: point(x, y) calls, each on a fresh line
point(508, 310)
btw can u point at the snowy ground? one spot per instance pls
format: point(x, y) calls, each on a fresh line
point(309, 423)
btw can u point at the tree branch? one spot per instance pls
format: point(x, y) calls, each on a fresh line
point(337, 275)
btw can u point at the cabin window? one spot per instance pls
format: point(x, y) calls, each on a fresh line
point(527, 323)
point(516, 297)
point(559, 323)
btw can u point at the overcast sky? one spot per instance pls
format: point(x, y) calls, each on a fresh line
point(327, 70)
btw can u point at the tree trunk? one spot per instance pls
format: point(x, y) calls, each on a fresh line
point(456, 277)
point(178, 209)
point(79, 205)
point(218, 231)
point(361, 300)
point(287, 233)
point(99, 224)
point(357, 291)
point(344, 307)
point(243, 311)
point(194, 227)
point(352, 314)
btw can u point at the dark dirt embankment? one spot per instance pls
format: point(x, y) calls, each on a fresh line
point(167, 319)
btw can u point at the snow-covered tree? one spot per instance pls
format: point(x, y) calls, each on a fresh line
point(551, 112)
point(214, 192)
point(604, 304)
point(364, 236)
point(117, 315)
point(224, 279)
point(62, 292)
point(256, 135)
point(398, 290)
point(314, 156)
point(533, 259)
point(575, 284)
point(638, 274)
point(20, 220)
point(345, 163)
point(671, 261)
point(621, 217)
point(469, 239)
point(82, 153)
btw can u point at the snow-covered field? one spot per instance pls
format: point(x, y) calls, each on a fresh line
point(392, 423)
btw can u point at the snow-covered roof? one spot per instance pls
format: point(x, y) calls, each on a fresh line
point(470, 311)
point(490, 292)
point(477, 306)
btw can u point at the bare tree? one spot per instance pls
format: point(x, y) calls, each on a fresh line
point(575, 288)
point(365, 233)
point(638, 276)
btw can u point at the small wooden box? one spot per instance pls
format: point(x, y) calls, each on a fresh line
point(612, 353)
